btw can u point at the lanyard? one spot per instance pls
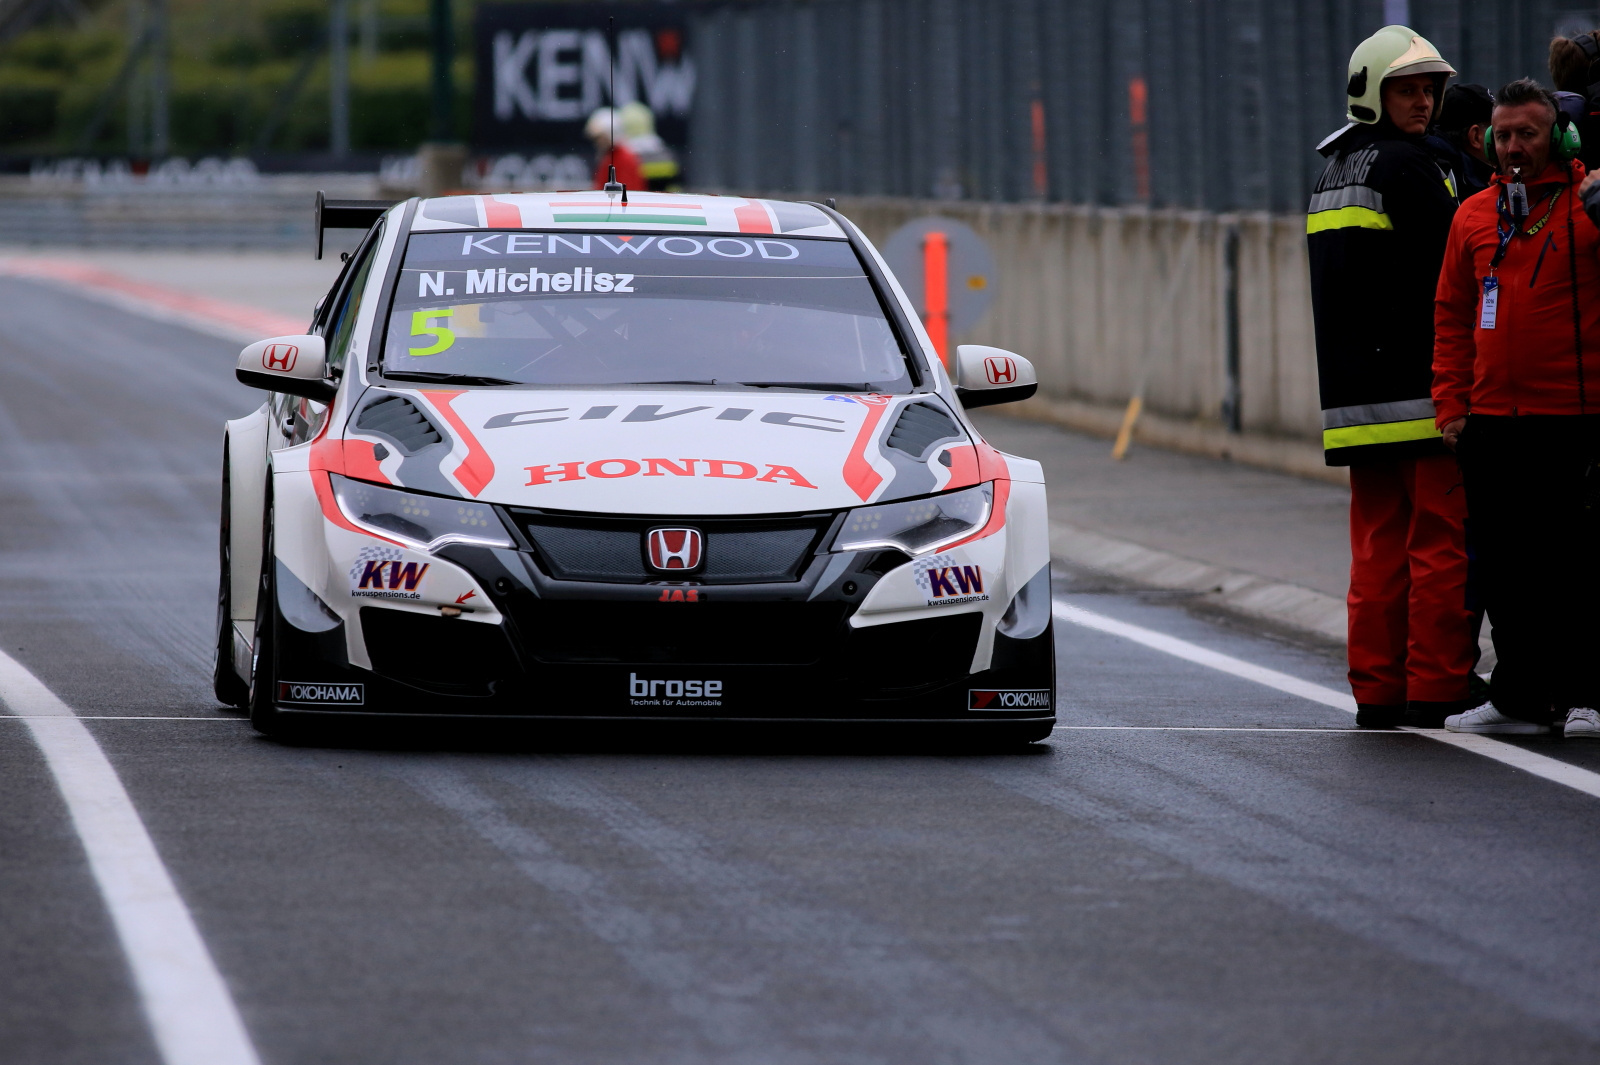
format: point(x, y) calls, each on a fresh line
point(1509, 229)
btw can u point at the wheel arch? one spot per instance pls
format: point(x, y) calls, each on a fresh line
point(245, 457)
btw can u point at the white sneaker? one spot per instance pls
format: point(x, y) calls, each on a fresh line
point(1487, 719)
point(1582, 723)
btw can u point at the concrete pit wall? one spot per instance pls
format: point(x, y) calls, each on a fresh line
point(1106, 301)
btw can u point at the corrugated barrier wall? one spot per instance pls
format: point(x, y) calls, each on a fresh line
point(1209, 104)
point(1179, 121)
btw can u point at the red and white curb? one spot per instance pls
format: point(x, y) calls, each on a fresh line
point(234, 322)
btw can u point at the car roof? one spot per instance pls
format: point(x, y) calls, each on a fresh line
point(647, 211)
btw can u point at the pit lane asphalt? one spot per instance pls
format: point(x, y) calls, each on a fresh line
point(1117, 894)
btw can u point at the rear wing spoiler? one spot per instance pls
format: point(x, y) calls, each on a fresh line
point(347, 214)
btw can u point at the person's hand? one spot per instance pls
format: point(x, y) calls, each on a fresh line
point(1592, 177)
point(1452, 430)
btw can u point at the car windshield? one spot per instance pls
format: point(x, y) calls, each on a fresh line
point(577, 309)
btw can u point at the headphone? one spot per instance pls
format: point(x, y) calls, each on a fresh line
point(1565, 143)
point(1589, 46)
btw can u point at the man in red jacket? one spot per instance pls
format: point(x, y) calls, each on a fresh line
point(1516, 349)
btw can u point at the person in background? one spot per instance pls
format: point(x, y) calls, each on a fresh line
point(1575, 72)
point(608, 154)
point(1376, 232)
point(1457, 138)
point(1518, 346)
point(656, 161)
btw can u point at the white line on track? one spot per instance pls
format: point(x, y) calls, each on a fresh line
point(1552, 769)
point(1226, 728)
point(122, 717)
point(191, 1014)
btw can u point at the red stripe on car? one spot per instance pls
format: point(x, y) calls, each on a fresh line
point(992, 467)
point(477, 469)
point(858, 472)
point(498, 215)
point(752, 218)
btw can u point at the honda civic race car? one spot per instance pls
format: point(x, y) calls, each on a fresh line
point(587, 457)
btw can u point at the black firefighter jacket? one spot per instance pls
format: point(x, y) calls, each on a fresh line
point(1376, 230)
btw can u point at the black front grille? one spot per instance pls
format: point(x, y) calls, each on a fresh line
point(612, 550)
point(610, 633)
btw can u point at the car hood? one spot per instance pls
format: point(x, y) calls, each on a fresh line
point(660, 452)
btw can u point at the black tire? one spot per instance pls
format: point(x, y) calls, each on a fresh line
point(230, 688)
point(263, 707)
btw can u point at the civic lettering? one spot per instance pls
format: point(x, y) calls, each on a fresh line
point(651, 412)
point(778, 417)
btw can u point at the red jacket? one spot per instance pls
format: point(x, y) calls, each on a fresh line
point(628, 170)
point(1526, 364)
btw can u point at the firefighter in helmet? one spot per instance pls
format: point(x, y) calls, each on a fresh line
point(1376, 230)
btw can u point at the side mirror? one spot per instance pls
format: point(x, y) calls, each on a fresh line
point(296, 365)
point(986, 376)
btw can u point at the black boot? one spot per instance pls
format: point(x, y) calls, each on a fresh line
point(1379, 715)
point(1431, 715)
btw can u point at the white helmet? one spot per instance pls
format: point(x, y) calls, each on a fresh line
point(1392, 52)
point(598, 128)
point(636, 120)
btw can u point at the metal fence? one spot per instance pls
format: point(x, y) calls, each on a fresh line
point(1212, 104)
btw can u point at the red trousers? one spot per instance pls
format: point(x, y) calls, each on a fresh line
point(1411, 634)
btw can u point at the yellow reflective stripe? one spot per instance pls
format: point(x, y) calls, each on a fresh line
point(1450, 186)
point(1347, 218)
point(1381, 433)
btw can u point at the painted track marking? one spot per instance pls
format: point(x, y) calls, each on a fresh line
point(123, 717)
point(1552, 769)
point(191, 1014)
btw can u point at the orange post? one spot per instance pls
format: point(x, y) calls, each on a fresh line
point(936, 292)
point(1138, 114)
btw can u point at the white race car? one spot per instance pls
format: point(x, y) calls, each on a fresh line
point(581, 457)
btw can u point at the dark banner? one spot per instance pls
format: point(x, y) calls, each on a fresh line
point(542, 69)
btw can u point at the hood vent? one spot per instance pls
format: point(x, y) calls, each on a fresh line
point(922, 425)
point(397, 418)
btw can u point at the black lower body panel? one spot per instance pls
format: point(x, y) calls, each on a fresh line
point(580, 660)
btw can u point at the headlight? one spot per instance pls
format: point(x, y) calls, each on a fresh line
point(426, 522)
point(917, 526)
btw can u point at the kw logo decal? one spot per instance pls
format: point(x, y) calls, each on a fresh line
point(944, 582)
point(381, 573)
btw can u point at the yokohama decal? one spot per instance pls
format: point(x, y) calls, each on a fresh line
point(477, 469)
point(497, 215)
point(858, 472)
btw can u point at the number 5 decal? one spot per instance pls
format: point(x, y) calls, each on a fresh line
point(420, 327)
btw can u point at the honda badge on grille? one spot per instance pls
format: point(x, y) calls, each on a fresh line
point(673, 549)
